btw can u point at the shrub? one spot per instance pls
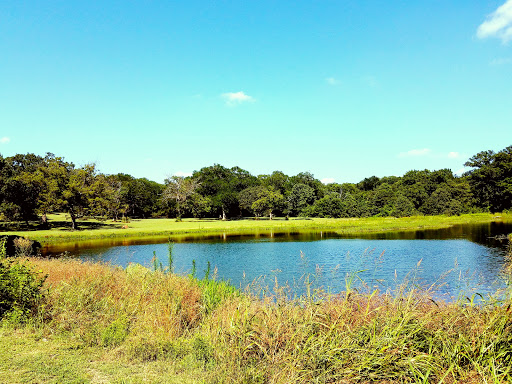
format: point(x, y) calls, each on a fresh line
point(20, 288)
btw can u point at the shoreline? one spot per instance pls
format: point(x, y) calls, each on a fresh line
point(160, 228)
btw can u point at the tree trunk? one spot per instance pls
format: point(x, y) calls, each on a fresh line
point(270, 215)
point(44, 220)
point(74, 225)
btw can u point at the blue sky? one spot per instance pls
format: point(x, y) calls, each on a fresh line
point(342, 89)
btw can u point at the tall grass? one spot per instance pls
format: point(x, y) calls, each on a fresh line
point(141, 315)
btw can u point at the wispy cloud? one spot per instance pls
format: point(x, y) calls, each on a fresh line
point(454, 155)
point(415, 152)
point(4, 140)
point(183, 174)
point(332, 81)
point(236, 98)
point(501, 61)
point(327, 180)
point(460, 171)
point(498, 24)
point(371, 81)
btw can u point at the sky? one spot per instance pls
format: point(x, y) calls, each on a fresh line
point(342, 89)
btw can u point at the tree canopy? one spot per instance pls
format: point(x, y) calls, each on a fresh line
point(32, 186)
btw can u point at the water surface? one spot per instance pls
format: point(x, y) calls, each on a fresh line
point(460, 260)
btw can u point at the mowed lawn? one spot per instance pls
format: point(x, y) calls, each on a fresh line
point(95, 229)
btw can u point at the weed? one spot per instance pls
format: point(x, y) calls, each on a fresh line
point(115, 333)
point(395, 337)
point(21, 290)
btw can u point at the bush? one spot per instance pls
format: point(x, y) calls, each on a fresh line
point(20, 288)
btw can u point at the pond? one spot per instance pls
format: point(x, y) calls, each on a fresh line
point(461, 260)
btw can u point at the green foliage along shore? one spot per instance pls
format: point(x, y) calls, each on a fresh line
point(32, 187)
point(105, 324)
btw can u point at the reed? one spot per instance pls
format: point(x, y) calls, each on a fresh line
point(207, 331)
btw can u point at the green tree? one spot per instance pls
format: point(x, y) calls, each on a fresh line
point(271, 201)
point(299, 198)
point(402, 206)
point(382, 200)
point(199, 205)
point(179, 189)
point(84, 193)
point(491, 179)
point(248, 196)
point(223, 185)
point(327, 206)
point(278, 180)
point(20, 188)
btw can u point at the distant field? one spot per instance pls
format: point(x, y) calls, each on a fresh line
point(94, 229)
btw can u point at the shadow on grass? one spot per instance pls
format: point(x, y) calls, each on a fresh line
point(55, 225)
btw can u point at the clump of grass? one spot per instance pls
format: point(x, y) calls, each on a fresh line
point(23, 247)
point(395, 337)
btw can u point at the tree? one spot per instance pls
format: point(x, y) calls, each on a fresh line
point(308, 179)
point(52, 176)
point(300, 197)
point(328, 206)
point(84, 193)
point(271, 201)
point(178, 189)
point(491, 179)
point(20, 187)
point(248, 196)
point(369, 183)
point(223, 185)
point(199, 205)
point(382, 200)
point(277, 179)
point(402, 207)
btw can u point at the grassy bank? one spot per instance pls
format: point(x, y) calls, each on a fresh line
point(108, 325)
point(92, 229)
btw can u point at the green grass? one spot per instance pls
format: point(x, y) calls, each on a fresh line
point(30, 355)
point(162, 228)
point(101, 324)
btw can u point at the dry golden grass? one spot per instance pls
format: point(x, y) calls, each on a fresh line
point(138, 316)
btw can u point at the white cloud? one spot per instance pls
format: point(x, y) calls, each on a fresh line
point(498, 24)
point(183, 174)
point(454, 155)
point(327, 180)
point(236, 98)
point(501, 61)
point(4, 140)
point(332, 81)
point(415, 152)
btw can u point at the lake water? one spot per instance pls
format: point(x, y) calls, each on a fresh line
point(464, 259)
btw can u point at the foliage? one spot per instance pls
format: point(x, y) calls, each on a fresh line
point(20, 288)
point(269, 201)
point(179, 189)
point(491, 179)
point(327, 206)
point(32, 186)
point(300, 197)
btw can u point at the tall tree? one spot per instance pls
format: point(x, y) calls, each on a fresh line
point(491, 179)
point(271, 201)
point(223, 186)
point(299, 198)
point(179, 189)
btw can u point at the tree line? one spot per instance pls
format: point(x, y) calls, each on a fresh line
point(32, 186)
